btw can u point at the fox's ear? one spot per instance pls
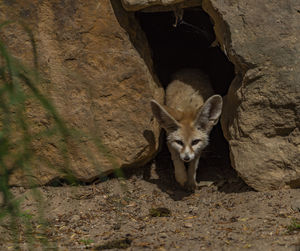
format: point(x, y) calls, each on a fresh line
point(209, 113)
point(164, 118)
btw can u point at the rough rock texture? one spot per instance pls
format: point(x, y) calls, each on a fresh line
point(261, 116)
point(96, 78)
point(158, 5)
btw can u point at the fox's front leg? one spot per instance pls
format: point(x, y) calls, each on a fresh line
point(192, 171)
point(180, 171)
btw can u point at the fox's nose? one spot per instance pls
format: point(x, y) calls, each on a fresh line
point(186, 158)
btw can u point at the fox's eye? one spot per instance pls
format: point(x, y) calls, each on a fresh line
point(179, 142)
point(195, 142)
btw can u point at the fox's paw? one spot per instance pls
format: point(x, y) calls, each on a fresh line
point(190, 186)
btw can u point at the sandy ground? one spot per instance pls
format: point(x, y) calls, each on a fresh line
point(223, 215)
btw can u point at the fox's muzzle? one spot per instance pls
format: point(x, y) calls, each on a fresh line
point(187, 155)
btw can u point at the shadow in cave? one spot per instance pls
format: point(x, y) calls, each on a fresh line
point(186, 46)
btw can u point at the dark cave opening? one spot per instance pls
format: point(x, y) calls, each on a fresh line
point(188, 45)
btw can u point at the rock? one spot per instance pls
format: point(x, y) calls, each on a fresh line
point(296, 205)
point(96, 78)
point(117, 226)
point(75, 218)
point(282, 213)
point(158, 5)
point(163, 235)
point(188, 225)
point(261, 117)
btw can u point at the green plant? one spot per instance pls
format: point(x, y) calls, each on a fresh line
point(294, 226)
point(86, 241)
point(159, 212)
point(20, 86)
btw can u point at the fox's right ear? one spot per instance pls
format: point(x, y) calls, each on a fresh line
point(164, 118)
point(209, 113)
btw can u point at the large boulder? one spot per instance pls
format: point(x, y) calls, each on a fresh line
point(261, 118)
point(97, 79)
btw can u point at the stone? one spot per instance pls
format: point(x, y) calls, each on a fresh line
point(96, 78)
point(188, 225)
point(75, 218)
point(163, 235)
point(158, 5)
point(295, 205)
point(261, 117)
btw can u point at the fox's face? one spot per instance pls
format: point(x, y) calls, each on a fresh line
point(188, 132)
point(188, 141)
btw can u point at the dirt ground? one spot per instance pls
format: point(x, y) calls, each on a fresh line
point(148, 211)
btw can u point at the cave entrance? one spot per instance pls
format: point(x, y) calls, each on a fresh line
point(189, 45)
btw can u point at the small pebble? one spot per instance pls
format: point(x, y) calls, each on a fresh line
point(282, 214)
point(163, 235)
point(188, 225)
point(75, 218)
point(296, 205)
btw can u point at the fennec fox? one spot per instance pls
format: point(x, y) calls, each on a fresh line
point(188, 117)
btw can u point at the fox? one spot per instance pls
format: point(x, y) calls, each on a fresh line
point(190, 112)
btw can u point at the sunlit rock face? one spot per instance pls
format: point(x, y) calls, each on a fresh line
point(261, 117)
point(96, 78)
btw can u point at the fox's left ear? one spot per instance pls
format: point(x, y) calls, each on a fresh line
point(164, 118)
point(209, 113)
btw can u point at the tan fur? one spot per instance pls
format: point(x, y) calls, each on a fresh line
point(188, 117)
point(188, 91)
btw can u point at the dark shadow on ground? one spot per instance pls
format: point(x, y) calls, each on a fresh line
point(214, 166)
